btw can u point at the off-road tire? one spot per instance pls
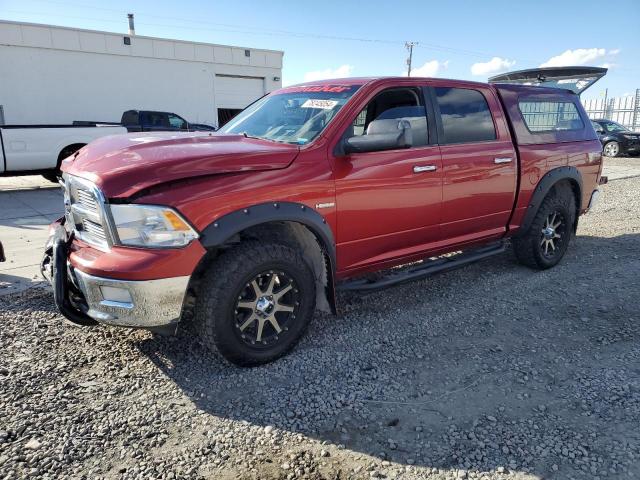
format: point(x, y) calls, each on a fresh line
point(529, 246)
point(216, 308)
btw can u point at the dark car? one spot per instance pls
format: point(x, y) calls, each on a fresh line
point(2, 259)
point(616, 139)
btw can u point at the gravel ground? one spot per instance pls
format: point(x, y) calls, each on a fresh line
point(491, 371)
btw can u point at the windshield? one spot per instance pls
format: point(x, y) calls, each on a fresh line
point(292, 115)
point(615, 127)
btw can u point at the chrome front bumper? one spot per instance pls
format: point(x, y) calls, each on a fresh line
point(131, 303)
point(85, 299)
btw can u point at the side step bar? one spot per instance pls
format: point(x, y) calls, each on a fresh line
point(427, 268)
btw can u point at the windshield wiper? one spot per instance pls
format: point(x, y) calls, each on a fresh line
point(246, 135)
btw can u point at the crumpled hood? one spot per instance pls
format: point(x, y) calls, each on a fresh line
point(122, 165)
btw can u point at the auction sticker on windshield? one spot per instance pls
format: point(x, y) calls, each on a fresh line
point(319, 103)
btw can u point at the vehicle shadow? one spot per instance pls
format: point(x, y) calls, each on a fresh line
point(10, 283)
point(486, 368)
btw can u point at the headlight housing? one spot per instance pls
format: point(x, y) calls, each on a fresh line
point(631, 137)
point(151, 226)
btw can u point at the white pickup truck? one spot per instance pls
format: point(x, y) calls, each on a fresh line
point(39, 149)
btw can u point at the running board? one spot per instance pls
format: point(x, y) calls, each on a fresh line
point(425, 269)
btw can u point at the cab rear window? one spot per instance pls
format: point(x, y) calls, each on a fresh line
point(550, 116)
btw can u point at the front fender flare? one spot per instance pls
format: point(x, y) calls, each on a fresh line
point(225, 227)
point(542, 189)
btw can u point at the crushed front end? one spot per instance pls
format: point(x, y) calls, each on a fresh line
point(127, 270)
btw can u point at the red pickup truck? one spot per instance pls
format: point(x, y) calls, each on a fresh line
point(318, 187)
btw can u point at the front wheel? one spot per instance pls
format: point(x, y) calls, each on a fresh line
point(255, 302)
point(546, 241)
point(611, 149)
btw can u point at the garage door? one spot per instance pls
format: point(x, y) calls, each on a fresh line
point(237, 92)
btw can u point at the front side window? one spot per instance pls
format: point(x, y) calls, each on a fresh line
point(154, 120)
point(465, 115)
point(546, 116)
point(292, 115)
point(395, 104)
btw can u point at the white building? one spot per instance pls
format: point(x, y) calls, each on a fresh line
point(51, 74)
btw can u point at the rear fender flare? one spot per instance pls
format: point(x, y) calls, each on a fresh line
point(545, 184)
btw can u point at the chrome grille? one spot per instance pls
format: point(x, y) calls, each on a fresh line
point(87, 200)
point(84, 211)
point(93, 229)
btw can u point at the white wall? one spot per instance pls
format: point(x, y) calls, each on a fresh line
point(57, 75)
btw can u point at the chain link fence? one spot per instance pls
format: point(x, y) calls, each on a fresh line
point(624, 110)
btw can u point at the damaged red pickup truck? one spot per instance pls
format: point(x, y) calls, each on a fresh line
point(313, 188)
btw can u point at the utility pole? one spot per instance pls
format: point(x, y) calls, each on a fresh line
point(409, 46)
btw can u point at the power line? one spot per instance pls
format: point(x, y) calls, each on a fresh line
point(252, 30)
point(261, 31)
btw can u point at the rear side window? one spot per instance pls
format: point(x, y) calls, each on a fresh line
point(545, 116)
point(465, 115)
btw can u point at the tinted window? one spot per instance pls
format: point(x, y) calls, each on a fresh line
point(395, 104)
point(154, 119)
point(542, 116)
point(177, 122)
point(130, 118)
point(615, 127)
point(465, 115)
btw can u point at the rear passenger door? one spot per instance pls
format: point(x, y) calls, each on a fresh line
point(479, 164)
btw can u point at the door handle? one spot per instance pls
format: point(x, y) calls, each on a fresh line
point(424, 168)
point(502, 160)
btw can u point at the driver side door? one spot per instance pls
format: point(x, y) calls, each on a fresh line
point(388, 202)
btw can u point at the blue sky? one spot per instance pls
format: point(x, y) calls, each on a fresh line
point(458, 39)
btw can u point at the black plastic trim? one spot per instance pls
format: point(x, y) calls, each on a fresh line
point(432, 122)
point(225, 227)
point(542, 189)
point(60, 282)
point(429, 268)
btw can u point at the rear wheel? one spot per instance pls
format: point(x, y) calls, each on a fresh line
point(611, 149)
point(255, 302)
point(548, 237)
point(52, 176)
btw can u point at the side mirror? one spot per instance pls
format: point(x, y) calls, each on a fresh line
point(381, 135)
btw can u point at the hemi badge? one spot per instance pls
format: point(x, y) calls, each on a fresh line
point(325, 205)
